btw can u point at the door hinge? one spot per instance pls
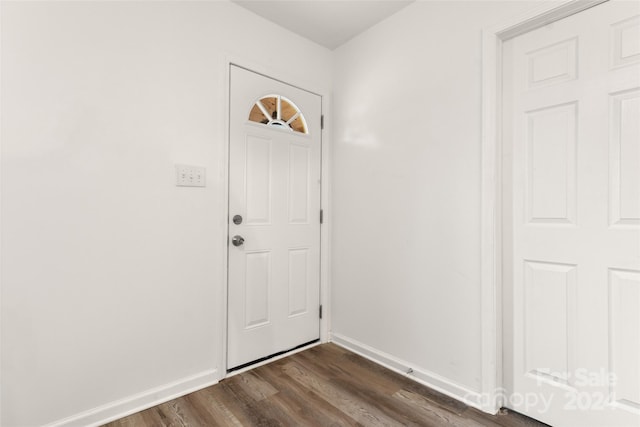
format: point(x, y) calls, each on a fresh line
point(322, 121)
point(321, 311)
point(321, 216)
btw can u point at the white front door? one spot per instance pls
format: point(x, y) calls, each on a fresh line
point(572, 152)
point(274, 217)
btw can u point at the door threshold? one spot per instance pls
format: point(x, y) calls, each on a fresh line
point(272, 358)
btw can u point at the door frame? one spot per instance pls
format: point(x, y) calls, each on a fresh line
point(286, 77)
point(493, 394)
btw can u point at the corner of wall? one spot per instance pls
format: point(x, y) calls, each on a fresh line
point(422, 376)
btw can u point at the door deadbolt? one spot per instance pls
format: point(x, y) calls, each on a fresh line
point(237, 219)
point(237, 240)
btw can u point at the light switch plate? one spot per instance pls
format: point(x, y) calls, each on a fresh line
point(190, 176)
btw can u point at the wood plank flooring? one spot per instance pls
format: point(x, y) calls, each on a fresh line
point(323, 386)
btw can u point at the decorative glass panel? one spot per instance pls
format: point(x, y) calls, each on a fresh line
point(276, 110)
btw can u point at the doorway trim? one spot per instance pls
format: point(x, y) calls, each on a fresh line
point(284, 76)
point(492, 392)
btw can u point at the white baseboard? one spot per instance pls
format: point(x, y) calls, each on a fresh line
point(139, 402)
point(429, 379)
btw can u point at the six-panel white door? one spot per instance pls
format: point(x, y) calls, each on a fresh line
point(274, 186)
point(572, 150)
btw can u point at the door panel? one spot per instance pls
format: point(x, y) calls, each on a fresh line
point(626, 42)
point(551, 164)
point(548, 286)
point(299, 196)
point(274, 185)
point(572, 132)
point(258, 180)
point(624, 297)
point(256, 293)
point(298, 281)
point(624, 152)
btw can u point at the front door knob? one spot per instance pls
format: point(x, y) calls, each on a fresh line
point(237, 240)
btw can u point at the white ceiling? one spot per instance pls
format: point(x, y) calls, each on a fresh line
point(326, 22)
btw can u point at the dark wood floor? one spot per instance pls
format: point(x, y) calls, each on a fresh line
point(323, 386)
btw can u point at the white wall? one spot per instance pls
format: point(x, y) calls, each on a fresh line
point(112, 277)
point(406, 190)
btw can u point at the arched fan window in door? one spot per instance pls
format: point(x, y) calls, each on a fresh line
point(276, 110)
